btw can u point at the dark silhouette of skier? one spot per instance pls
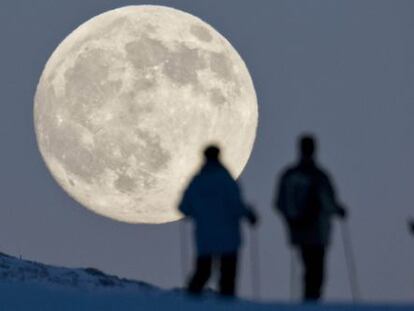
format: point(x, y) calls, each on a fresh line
point(306, 200)
point(213, 201)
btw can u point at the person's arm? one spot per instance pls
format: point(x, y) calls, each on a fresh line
point(251, 216)
point(285, 198)
point(185, 205)
point(277, 198)
point(330, 199)
point(243, 210)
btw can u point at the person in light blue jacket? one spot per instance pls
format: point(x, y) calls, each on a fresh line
point(213, 201)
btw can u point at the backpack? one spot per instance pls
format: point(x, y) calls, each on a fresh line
point(299, 195)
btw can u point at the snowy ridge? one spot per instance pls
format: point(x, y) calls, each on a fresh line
point(16, 270)
point(27, 285)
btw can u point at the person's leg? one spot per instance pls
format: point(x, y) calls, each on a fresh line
point(228, 271)
point(304, 251)
point(319, 255)
point(313, 262)
point(201, 275)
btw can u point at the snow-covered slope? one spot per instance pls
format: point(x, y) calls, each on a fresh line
point(27, 285)
point(17, 271)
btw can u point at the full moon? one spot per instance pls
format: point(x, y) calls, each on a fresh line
point(128, 101)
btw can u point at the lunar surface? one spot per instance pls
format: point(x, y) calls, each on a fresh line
point(127, 102)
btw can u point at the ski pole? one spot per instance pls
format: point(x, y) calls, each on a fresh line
point(292, 275)
point(183, 250)
point(350, 262)
point(255, 265)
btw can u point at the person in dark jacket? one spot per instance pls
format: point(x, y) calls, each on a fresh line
point(307, 202)
point(213, 201)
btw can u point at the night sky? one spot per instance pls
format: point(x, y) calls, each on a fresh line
point(343, 70)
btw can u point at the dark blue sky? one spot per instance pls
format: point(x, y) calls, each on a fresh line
point(341, 69)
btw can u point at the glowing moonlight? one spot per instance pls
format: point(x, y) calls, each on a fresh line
point(127, 102)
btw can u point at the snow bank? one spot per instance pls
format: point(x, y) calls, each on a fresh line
point(26, 285)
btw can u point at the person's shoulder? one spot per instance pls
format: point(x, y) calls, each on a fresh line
point(322, 172)
point(215, 171)
point(224, 173)
point(198, 177)
point(289, 171)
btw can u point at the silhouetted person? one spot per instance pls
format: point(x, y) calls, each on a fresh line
point(213, 201)
point(306, 199)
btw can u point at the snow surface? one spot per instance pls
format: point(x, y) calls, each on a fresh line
point(27, 285)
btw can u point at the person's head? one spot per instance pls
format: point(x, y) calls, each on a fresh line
point(307, 147)
point(212, 153)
